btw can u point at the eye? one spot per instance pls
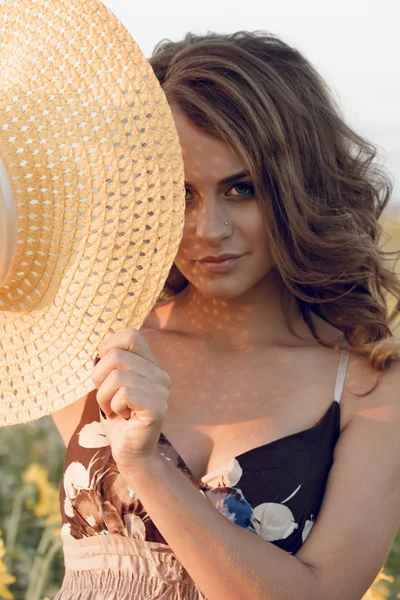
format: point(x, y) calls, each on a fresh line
point(241, 190)
point(188, 196)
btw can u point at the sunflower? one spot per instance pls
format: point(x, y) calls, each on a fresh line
point(46, 502)
point(378, 590)
point(5, 577)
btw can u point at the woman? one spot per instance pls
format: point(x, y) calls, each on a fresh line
point(261, 460)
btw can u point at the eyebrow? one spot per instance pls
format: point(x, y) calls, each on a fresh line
point(229, 179)
point(233, 177)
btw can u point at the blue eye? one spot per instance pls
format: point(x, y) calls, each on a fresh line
point(241, 190)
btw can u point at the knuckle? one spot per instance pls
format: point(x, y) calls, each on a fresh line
point(162, 377)
point(133, 336)
point(124, 393)
point(165, 396)
point(121, 400)
point(114, 377)
point(161, 410)
point(115, 356)
point(100, 398)
point(166, 379)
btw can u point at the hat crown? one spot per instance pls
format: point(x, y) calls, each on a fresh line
point(8, 225)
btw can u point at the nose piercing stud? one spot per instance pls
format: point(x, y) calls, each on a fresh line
point(225, 222)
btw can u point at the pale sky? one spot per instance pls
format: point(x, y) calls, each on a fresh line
point(355, 44)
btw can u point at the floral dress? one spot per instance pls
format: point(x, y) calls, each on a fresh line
point(112, 549)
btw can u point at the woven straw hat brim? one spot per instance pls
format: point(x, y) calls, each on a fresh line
point(92, 153)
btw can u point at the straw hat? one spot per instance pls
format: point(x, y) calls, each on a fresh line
point(91, 201)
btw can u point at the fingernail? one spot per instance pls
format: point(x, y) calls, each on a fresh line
point(103, 414)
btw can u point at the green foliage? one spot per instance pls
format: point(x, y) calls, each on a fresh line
point(31, 464)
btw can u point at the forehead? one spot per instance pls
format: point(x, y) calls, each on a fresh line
point(205, 157)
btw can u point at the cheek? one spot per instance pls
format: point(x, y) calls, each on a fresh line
point(251, 228)
point(256, 236)
point(184, 250)
point(183, 256)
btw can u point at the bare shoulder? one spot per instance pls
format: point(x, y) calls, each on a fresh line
point(162, 323)
point(373, 393)
point(161, 317)
point(372, 431)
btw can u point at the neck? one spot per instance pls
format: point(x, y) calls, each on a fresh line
point(257, 317)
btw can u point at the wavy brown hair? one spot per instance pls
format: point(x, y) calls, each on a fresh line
point(321, 192)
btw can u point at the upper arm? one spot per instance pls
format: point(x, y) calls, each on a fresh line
point(361, 509)
point(67, 419)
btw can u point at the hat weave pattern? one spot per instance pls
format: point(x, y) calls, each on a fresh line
point(91, 150)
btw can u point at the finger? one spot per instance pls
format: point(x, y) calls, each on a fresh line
point(146, 408)
point(124, 379)
point(130, 340)
point(117, 359)
point(107, 390)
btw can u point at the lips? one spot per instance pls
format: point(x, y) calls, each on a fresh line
point(219, 264)
point(218, 258)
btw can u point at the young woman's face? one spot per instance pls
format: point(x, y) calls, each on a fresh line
point(224, 251)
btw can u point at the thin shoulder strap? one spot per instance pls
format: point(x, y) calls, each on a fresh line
point(341, 376)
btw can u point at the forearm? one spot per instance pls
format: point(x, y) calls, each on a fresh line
point(223, 559)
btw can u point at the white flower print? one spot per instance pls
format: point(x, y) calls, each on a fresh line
point(131, 492)
point(76, 478)
point(92, 436)
point(66, 530)
point(273, 521)
point(226, 476)
point(307, 529)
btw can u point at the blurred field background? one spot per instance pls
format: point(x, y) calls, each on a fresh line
point(31, 463)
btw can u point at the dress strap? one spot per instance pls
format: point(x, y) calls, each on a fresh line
point(341, 376)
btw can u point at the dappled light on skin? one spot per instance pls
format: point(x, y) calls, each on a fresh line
point(382, 414)
point(245, 412)
point(222, 218)
point(225, 337)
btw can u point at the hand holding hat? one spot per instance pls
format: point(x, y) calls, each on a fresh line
point(91, 197)
point(133, 394)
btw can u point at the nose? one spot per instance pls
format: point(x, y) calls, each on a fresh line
point(211, 222)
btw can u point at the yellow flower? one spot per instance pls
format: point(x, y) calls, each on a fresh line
point(5, 577)
point(47, 502)
point(379, 590)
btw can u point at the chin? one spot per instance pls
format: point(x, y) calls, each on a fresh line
point(222, 290)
